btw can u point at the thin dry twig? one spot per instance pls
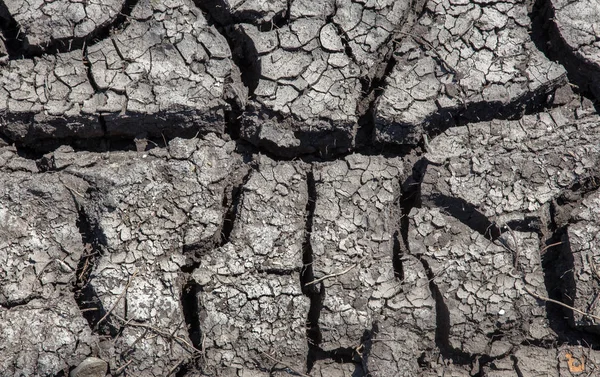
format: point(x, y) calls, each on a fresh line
point(160, 332)
point(122, 368)
point(549, 246)
point(335, 274)
point(548, 299)
point(284, 364)
point(129, 281)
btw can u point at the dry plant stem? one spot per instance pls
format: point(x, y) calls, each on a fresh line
point(335, 274)
point(167, 335)
point(122, 368)
point(548, 299)
point(118, 299)
point(284, 364)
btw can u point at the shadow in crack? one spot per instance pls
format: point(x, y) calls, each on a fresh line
point(314, 292)
point(442, 330)
point(547, 38)
point(467, 214)
point(87, 299)
point(245, 55)
point(191, 311)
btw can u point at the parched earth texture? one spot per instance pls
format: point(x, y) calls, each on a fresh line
point(300, 188)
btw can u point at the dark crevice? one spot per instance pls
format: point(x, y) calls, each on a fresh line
point(559, 281)
point(547, 38)
point(18, 302)
point(191, 311)
point(366, 109)
point(183, 371)
point(484, 111)
point(19, 47)
point(279, 271)
point(222, 15)
point(87, 299)
point(411, 198)
point(11, 32)
point(443, 325)
point(363, 351)
point(346, 43)
point(314, 292)
point(398, 252)
point(467, 214)
point(232, 197)
point(516, 366)
point(244, 54)
point(231, 201)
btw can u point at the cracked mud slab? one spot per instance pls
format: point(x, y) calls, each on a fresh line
point(481, 284)
point(46, 22)
point(167, 72)
point(371, 312)
point(41, 245)
point(463, 60)
point(145, 210)
point(582, 243)
point(510, 169)
point(334, 188)
point(310, 74)
point(252, 310)
point(44, 338)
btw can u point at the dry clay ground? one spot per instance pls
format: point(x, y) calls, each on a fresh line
point(295, 187)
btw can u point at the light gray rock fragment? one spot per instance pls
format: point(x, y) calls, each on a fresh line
point(90, 367)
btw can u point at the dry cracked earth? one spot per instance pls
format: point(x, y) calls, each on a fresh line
point(295, 187)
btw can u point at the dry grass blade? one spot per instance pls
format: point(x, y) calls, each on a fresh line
point(335, 274)
point(118, 299)
point(548, 299)
point(284, 364)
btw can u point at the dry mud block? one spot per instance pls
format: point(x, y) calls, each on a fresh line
point(581, 285)
point(42, 23)
point(565, 361)
point(40, 244)
point(482, 182)
point(481, 286)
point(165, 72)
point(44, 337)
point(252, 310)
point(508, 170)
point(142, 211)
point(472, 60)
point(307, 77)
point(42, 331)
point(574, 29)
point(525, 361)
point(376, 312)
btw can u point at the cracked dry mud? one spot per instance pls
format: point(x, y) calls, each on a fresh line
point(309, 188)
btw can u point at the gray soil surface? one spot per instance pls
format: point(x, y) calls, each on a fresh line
point(300, 188)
